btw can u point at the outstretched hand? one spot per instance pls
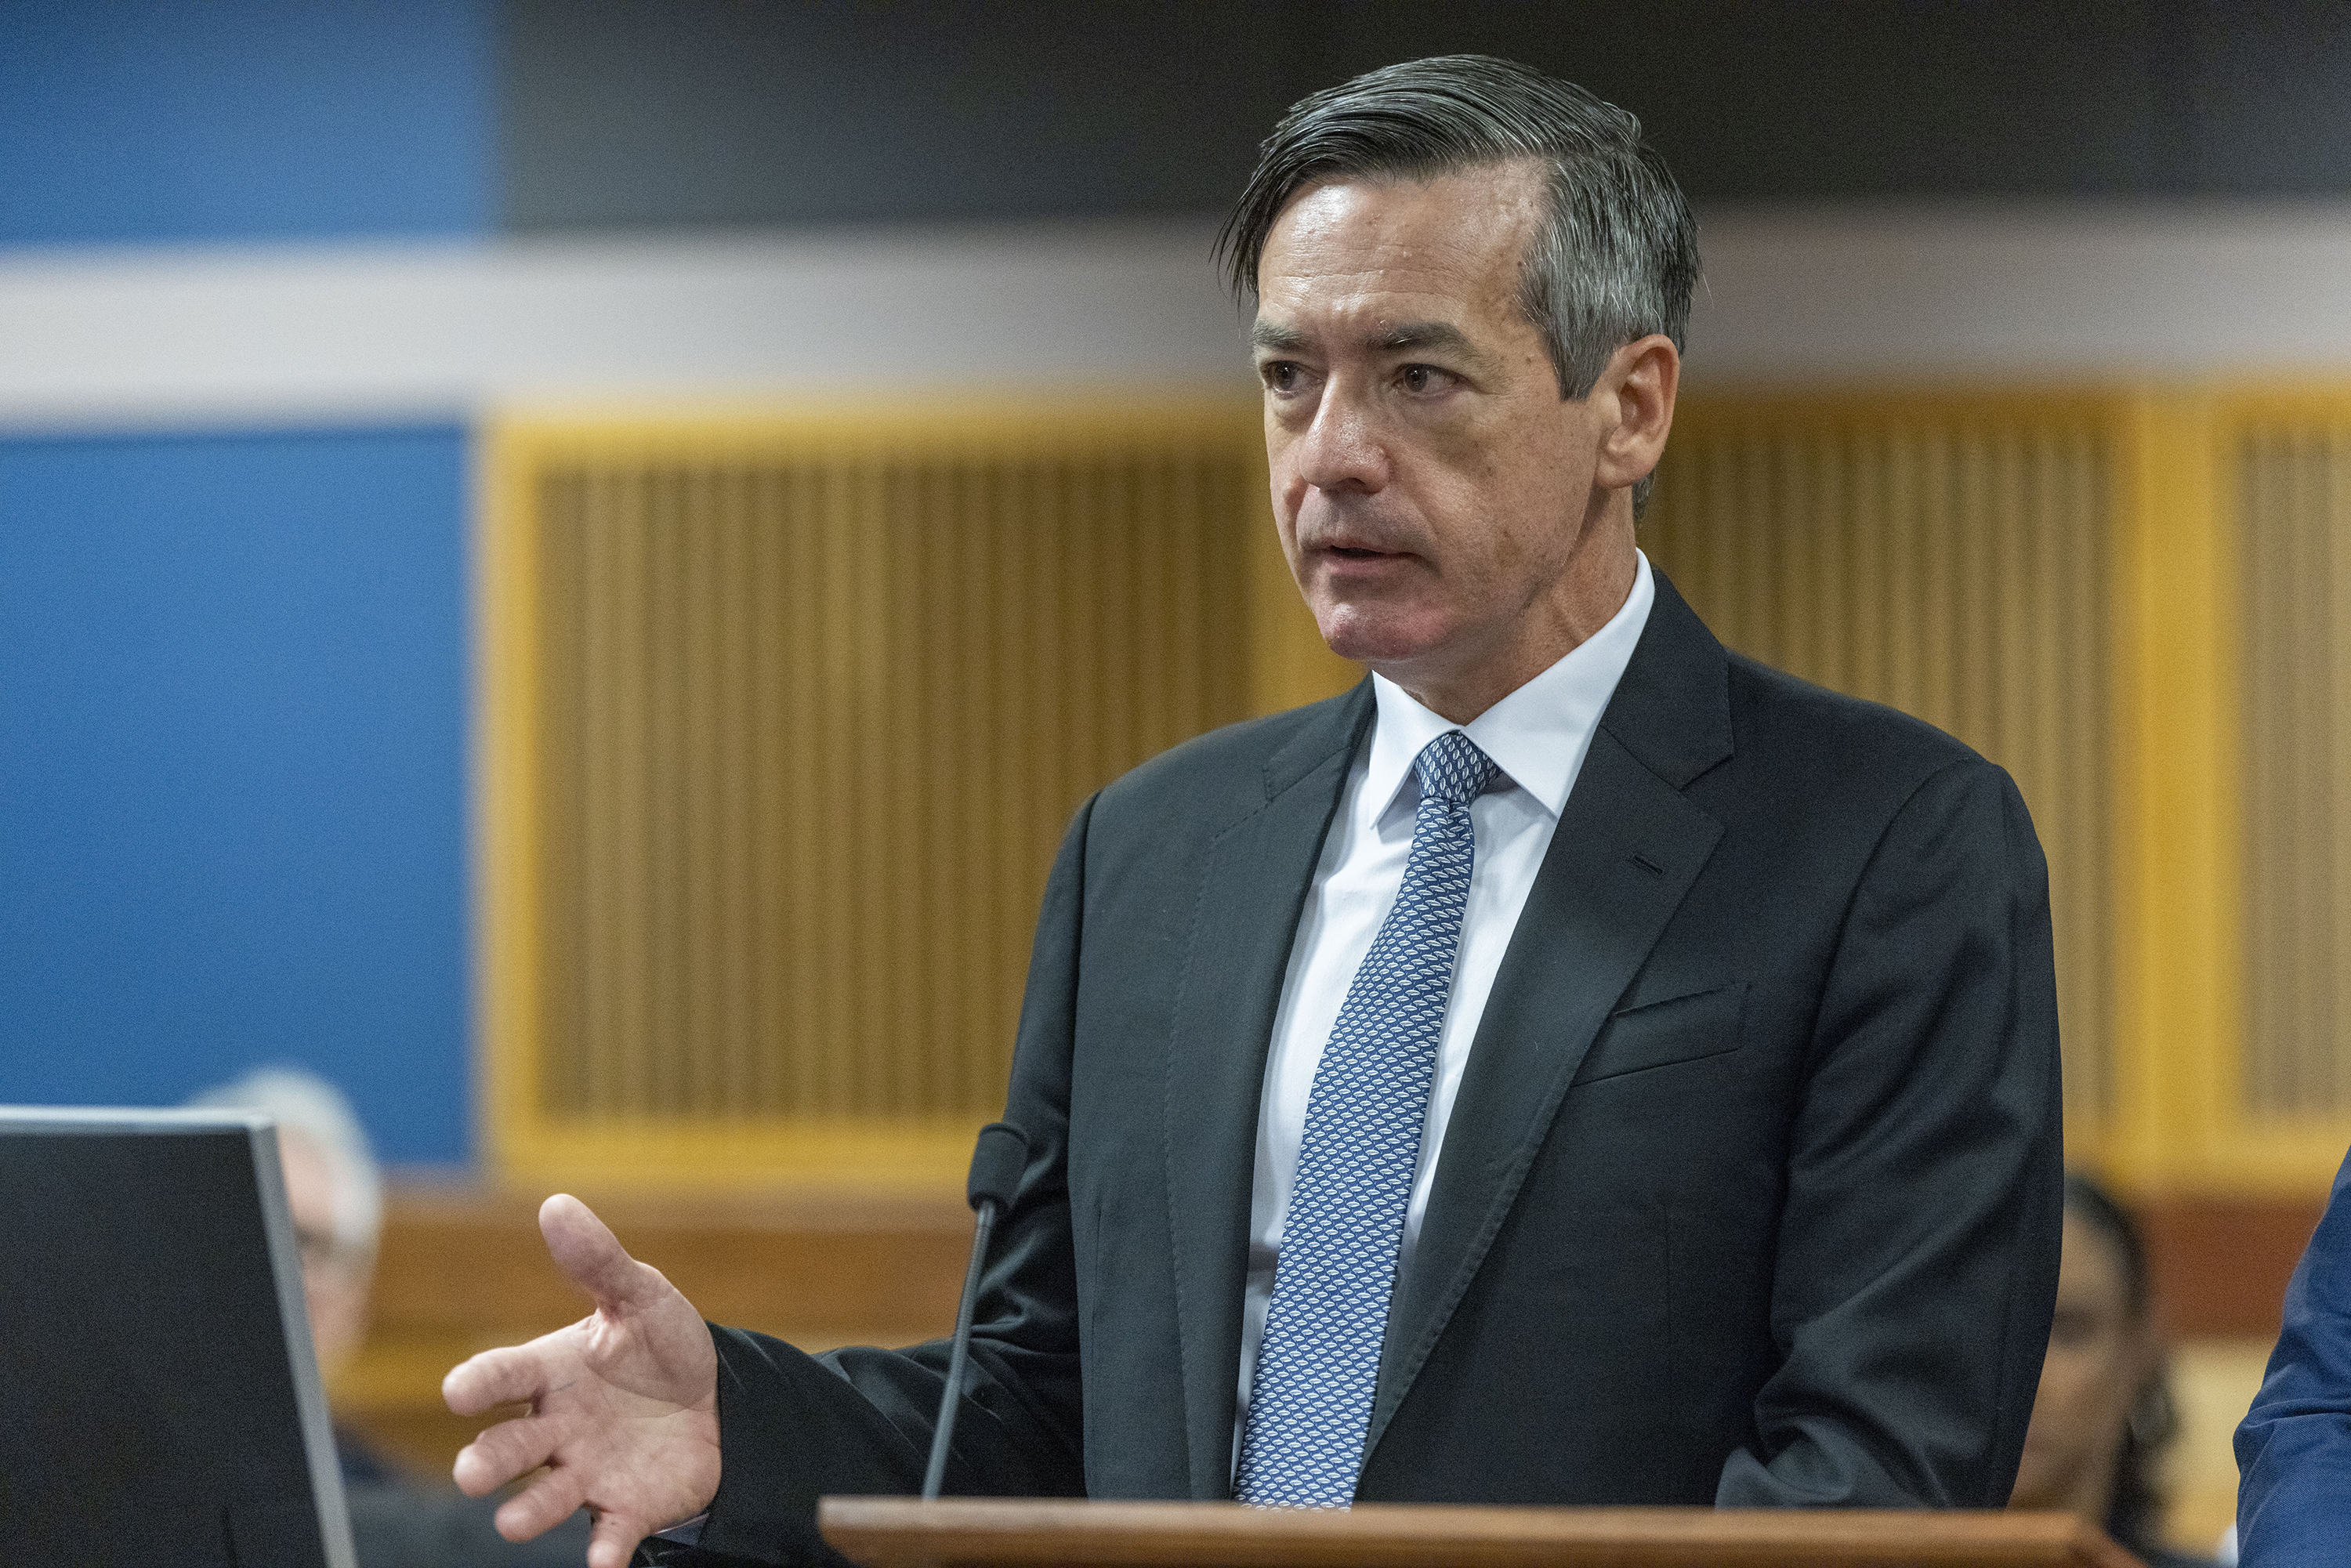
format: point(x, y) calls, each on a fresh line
point(623, 1403)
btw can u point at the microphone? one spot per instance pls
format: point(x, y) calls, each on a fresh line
point(996, 1166)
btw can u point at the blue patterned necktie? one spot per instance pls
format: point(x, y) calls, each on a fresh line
point(1310, 1401)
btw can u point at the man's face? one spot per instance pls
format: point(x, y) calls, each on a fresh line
point(2100, 1354)
point(1431, 486)
point(334, 1281)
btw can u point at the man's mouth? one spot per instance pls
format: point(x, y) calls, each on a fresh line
point(1351, 546)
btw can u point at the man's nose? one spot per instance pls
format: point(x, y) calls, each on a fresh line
point(1342, 448)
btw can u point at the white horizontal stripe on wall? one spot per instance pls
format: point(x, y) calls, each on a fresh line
point(128, 338)
point(2032, 293)
point(140, 337)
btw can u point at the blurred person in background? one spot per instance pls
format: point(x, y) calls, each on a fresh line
point(2104, 1409)
point(2294, 1449)
point(335, 1193)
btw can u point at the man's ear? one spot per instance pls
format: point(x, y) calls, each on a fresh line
point(1640, 382)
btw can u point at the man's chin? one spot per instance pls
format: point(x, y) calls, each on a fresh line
point(1378, 640)
point(1387, 655)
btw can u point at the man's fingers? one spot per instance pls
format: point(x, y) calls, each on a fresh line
point(506, 1450)
point(539, 1507)
point(512, 1375)
point(588, 1251)
point(613, 1540)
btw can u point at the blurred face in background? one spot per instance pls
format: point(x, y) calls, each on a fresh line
point(335, 1277)
point(2100, 1354)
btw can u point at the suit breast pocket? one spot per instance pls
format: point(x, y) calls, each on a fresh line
point(1688, 1028)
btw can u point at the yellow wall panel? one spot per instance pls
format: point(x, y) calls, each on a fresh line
point(783, 712)
point(784, 719)
point(1947, 557)
point(2279, 1103)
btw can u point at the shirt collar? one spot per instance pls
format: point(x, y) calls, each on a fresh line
point(1537, 736)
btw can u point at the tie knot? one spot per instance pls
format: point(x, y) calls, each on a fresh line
point(1452, 768)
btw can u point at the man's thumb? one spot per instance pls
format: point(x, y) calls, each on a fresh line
point(586, 1249)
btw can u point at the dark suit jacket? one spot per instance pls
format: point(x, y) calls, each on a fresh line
point(1751, 1194)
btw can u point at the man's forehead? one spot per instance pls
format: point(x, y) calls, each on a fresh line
point(1376, 254)
point(1511, 182)
point(1385, 220)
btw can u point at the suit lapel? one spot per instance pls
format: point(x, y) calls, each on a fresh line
point(1252, 887)
point(1627, 847)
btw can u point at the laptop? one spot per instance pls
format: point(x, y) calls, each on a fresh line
point(158, 1399)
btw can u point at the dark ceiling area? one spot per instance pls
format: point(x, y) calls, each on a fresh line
point(623, 113)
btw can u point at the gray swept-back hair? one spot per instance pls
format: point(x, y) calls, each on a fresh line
point(1616, 257)
point(303, 1101)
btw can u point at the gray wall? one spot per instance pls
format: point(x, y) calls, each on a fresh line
point(727, 112)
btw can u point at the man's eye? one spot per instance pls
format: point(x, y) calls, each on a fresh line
point(1422, 379)
point(1280, 375)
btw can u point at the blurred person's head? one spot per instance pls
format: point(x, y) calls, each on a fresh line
point(2105, 1406)
point(333, 1189)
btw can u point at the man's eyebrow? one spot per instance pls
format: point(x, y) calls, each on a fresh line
point(1279, 339)
point(1440, 335)
point(1404, 336)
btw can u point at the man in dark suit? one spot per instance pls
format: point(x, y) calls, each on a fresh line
point(1579, 1065)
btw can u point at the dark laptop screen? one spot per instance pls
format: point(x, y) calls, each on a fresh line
point(159, 1402)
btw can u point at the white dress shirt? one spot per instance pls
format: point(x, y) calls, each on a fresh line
point(1537, 736)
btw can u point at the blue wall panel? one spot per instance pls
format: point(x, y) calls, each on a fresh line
point(155, 119)
point(232, 677)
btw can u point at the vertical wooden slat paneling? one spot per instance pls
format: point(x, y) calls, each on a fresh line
point(969, 672)
point(562, 994)
point(2266, 536)
point(766, 800)
point(700, 942)
point(657, 1039)
point(1947, 561)
point(804, 805)
point(814, 706)
point(2315, 949)
point(2332, 1067)
point(809, 707)
point(2073, 781)
point(2292, 480)
point(2276, 544)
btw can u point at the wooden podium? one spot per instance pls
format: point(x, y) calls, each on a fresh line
point(1015, 1533)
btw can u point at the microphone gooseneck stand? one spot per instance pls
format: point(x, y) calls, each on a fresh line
point(996, 1166)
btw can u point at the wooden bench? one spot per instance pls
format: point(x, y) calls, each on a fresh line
point(461, 1270)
